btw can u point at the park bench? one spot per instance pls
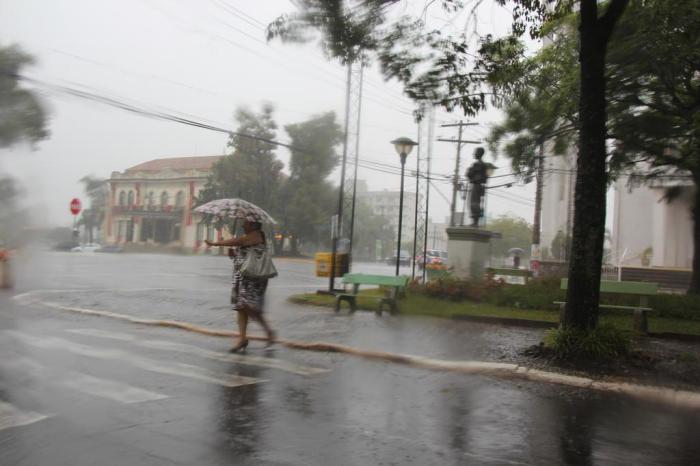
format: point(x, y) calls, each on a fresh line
point(506, 272)
point(641, 289)
point(392, 284)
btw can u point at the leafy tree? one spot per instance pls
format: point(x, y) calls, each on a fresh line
point(515, 233)
point(22, 116)
point(97, 192)
point(655, 104)
point(12, 219)
point(307, 197)
point(251, 172)
point(345, 34)
point(653, 99)
point(435, 68)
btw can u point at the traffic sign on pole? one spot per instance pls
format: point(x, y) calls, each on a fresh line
point(75, 206)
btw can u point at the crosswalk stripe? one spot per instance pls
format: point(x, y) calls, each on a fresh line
point(169, 368)
point(196, 350)
point(84, 383)
point(109, 389)
point(10, 416)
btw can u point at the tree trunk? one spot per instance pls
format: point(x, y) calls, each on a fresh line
point(695, 277)
point(591, 181)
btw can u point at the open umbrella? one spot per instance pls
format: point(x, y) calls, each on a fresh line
point(225, 209)
point(516, 251)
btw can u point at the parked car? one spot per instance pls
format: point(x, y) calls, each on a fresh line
point(89, 247)
point(110, 248)
point(404, 259)
point(67, 245)
point(436, 260)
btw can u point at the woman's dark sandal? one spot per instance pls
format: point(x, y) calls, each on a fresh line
point(239, 347)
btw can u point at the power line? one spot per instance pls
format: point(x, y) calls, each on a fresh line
point(179, 83)
point(160, 115)
point(213, 35)
point(393, 106)
point(240, 14)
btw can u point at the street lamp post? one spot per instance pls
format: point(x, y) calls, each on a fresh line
point(403, 147)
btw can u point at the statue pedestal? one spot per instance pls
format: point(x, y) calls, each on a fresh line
point(468, 250)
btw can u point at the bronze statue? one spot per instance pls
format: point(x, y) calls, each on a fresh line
point(477, 176)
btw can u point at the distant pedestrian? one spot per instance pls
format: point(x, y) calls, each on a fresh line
point(248, 294)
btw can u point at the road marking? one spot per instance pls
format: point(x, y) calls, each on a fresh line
point(22, 296)
point(256, 361)
point(682, 398)
point(102, 388)
point(170, 368)
point(10, 416)
point(109, 389)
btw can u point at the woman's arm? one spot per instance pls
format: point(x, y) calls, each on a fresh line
point(250, 239)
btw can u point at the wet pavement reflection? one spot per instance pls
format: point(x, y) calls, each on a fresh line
point(142, 400)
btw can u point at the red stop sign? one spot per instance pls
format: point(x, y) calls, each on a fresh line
point(75, 206)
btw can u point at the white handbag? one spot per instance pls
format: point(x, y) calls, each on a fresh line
point(258, 266)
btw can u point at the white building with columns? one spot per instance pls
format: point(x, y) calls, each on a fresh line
point(651, 230)
point(647, 229)
point(151, 203)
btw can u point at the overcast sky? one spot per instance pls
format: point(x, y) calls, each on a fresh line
point(203, 59)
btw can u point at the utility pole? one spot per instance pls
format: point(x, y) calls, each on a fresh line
point(539, 178)
point(535, 254)
point(455, 181)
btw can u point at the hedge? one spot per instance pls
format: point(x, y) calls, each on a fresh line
point(541, 294)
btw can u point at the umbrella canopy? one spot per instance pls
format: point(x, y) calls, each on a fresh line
point(233, 209)
point(516, 251)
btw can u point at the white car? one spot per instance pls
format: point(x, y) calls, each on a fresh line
point(89, 247)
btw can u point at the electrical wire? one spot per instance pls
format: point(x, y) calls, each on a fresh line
point(257, 54)
point(241, 15)
point(184, 85)
point(160, 115)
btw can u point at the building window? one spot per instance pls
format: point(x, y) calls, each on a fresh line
point(130, 199)
point(210, 232)
point(164, 198)
point(150, 199)
point(180, 199)
point(200, 231)
point(122, 198)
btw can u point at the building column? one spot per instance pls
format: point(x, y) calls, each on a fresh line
point(110, 206)
point(659, 226)
point(136, 222)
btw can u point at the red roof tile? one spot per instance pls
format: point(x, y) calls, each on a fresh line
point(176, 163)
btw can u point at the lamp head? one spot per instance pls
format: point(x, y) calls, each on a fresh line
point(403, 145)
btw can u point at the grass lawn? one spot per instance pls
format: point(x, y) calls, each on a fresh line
point(414, 304)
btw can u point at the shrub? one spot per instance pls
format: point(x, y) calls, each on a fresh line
point(601, 343)
point(679, 306)
point(536, 294)
point(541, 293)
point(459, 290)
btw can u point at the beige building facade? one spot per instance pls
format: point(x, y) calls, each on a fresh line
point(150, 204)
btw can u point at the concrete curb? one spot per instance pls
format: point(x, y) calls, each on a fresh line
point(679, 398)
point(508, 321)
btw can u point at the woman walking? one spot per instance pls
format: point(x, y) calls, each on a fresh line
point(248, 293)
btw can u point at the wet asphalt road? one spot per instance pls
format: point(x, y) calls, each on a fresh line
point(86, 390)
